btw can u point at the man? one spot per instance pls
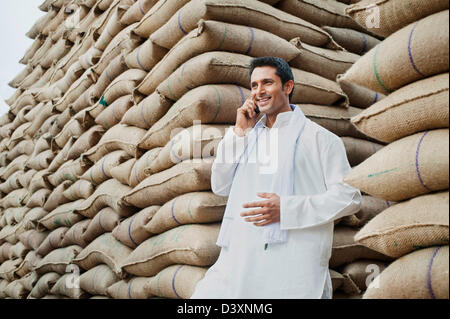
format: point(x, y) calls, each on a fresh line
point(277, 231)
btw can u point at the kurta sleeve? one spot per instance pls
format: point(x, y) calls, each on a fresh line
point(229, 152)
point(339, 199)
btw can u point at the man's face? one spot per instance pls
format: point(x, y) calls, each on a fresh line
point(267, 90)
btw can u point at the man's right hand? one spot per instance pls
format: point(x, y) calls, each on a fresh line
point(246, 117)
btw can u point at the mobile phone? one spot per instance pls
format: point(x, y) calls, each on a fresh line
point(257, 109)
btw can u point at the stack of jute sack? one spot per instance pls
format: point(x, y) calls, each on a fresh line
point(411, 67)
point(106, 153)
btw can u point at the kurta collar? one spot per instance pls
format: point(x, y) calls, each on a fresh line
point(281, 120)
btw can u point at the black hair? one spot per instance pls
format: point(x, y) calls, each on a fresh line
point(283, 70)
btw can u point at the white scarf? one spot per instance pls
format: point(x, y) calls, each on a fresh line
point(283, 184)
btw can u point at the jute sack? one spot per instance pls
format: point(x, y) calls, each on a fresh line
point(74, 235)
point(57, 197)
point(15, 82)
point(370, 207)
point(219, 36)
point(15, 290)
point(71, 170)
point(362, 272)
point(209, 104)
point(188, 244)
point(107, 194)
point(137, 11)
point(31, 220)
point(123, 171)
point(3, 284)
point(133, 288)
point(23, 147)
point(412, 166)
point(140, 169)
point(207, 68)
point(13, 98)
point(104, 221)
point(20, 117)
point(29, 281)
point(6, 130)
point(32, 78)
point(85, 100)
point(57, 51)
point(37, 27)
point(18, 250)
point(41, 161)
point(345, 286)
point(96, 280)
point(198, 141)
point(105, 249)
point(112, 26)
point(358, 150)
point(58, 260)
point(8, 268)
point(15, 198)
point(86, 141)
point(392, 15)
point(345, 250)
point(324, 62)
point(250, 13)
point(132, 231)
point(424, 52)
point(38, 198)
point(352, 40)
point(359, 96)
point(11, 183)
point(26, 98)
point(32, 239)
point(8, 234)
point(417, 107)
point(190, 208)
point(114, 68)
point(113, 114)
point(63, 215)
point(101, 170)
point(4, 251)
point(320, 13)
point(187, 176)
point(422, 274)
point(53, 241)
point(39, 180)
point(119, 137)
point(18, 135)
point(44, 284)
point(415, 224)
point(72, 128)
point(80, 189)
point(62, 289)
point(145, 56)
point(25, 178)
point(76, 89)
point(176, 281)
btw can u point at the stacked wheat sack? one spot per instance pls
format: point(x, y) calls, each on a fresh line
point(411, 67)
point(106, 153)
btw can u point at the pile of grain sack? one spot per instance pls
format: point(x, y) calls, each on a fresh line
point(106, 152)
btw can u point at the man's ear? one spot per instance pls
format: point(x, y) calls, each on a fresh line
point(288, 87)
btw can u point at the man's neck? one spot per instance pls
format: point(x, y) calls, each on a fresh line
point(271, 118)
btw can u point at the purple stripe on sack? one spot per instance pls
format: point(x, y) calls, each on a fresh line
point(364, 48)
point(173, 282)
point(129, 288)
point(179, 23)
point(142, 115)
point(103, 166)
point(140, 7)
point(129, 231)
point(430, 265)
point(417, 162)
point(100, 221)
point(252, 34)
point(172, 153)
point(376, 98)
point(139, 60)
point(172, 211)
point(410, 53)
point(242, 94)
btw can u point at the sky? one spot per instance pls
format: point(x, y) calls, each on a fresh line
point(16, 18)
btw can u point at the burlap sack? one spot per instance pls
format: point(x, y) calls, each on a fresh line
point(218, 36)
point(58, 260)
point(320, 61)
point(412, 166)
point(188, 244)
point(23, 147)
point(132, 231)
point(86, 140)
point(352, 40)
point(105, 249)
point(8, 268)
point(113, 114)
point(72, 128)
point(104, 221)
point(53, 241)
point(29, 281)
point(386, 68)
point(15, 290)
point(56, 52)
point(208, 104)
point(76, 89)
point(190, 208)
point(70, 170)
point(80, 189)
point(80, 47)
point(85, 100)
point(145, 56)
point(39, 180)
point(101, 170)
point(137, 11)
point(176, 281)
point(114, 68)
point(15, 198)
point(44, 284)
point(363, 272)
point(187, 176)
point(345, 250)
point(41, 161)
point(7, 234)
point(18, 134)
point(74, 236)
point(96, 280)
point(39, 198)
point(72, 291)
point(198, 141)
point(32, 78)
point(20, 117)
point(107, 194)
point(3, 284)
point(112, 26)
point(15, 82)
point(57, 197)
point(32, 239)
point(25, 98)
point(63, 215)
point(6, 131)
point(359, 96)
point(11, 183)
point(37, 27)
point(417, 107)
point(31, 219)
point(370, 207)
point(28, 264)
point(250, 13)
point(358, 150)
point(119, 137)
point(140, 169)
point(123, 171)
point(18, 250)
point(4, 251)
point(133, 288)
point(415, 224)
point(392, 15)
point(422, 274)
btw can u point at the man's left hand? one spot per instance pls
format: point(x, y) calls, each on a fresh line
point(268, 211)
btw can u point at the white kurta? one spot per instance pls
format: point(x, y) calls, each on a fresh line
point(297, 268)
